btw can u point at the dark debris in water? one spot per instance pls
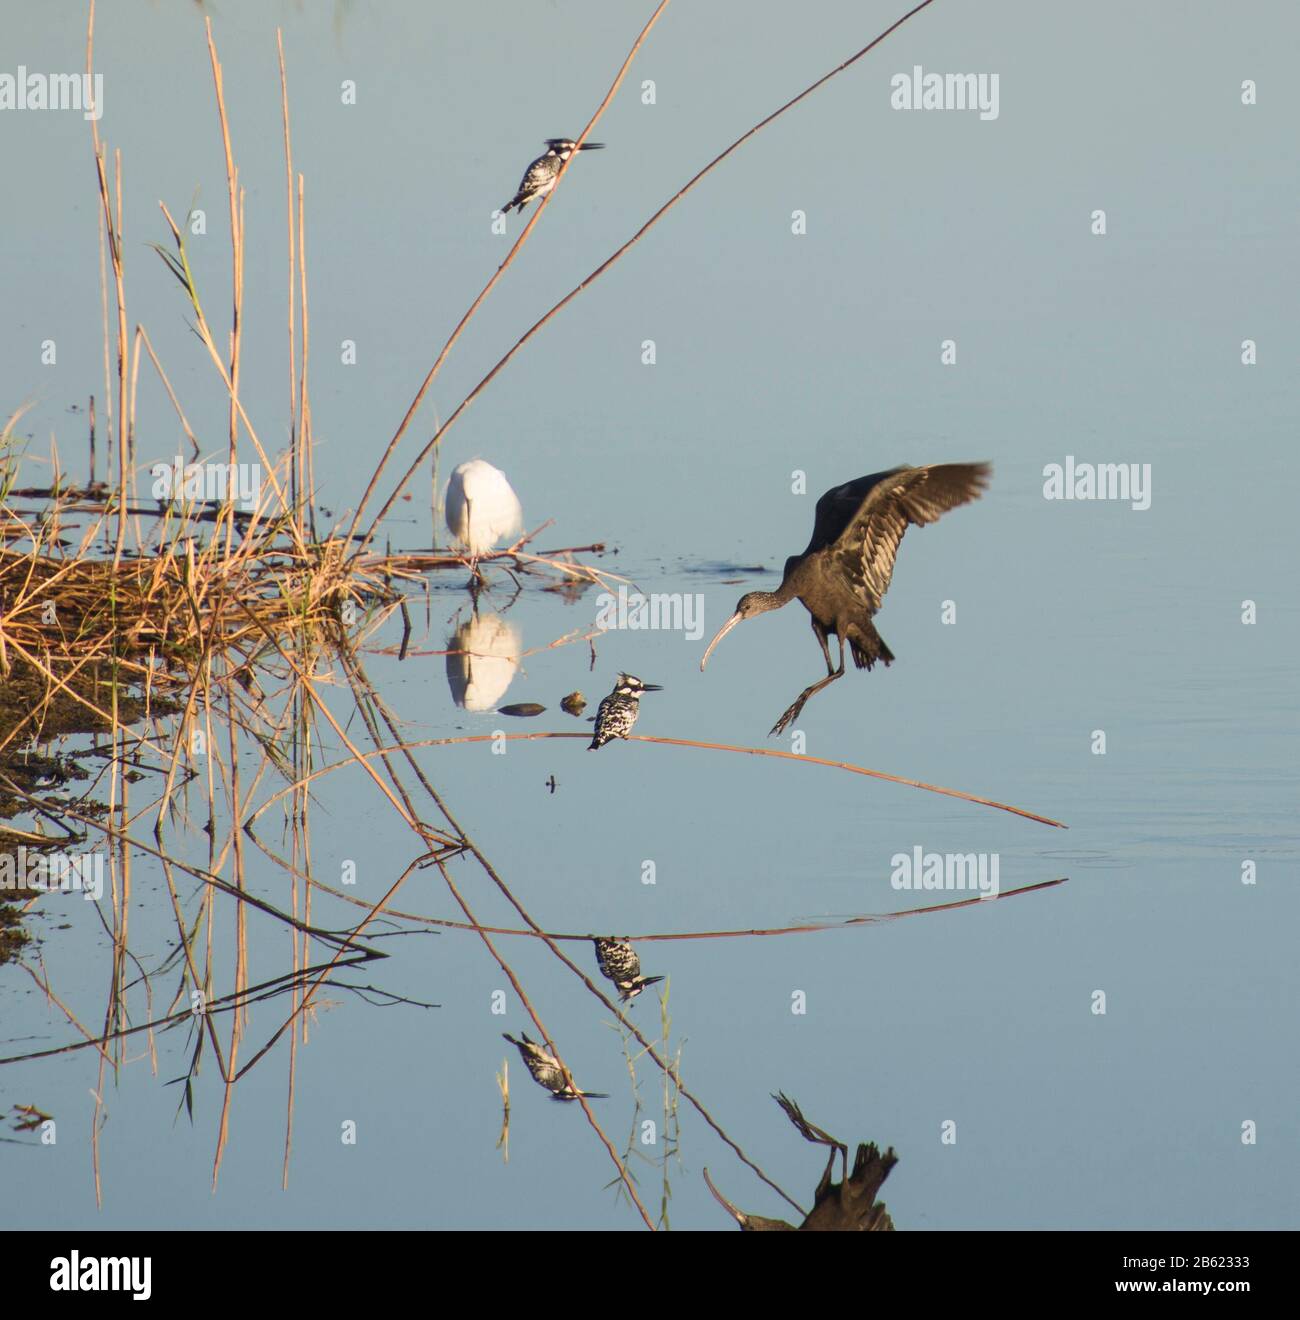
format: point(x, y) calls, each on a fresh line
point(26, 773)
point(522, 709)
point(12, 935)
point(726, 572)
point(28, 1118)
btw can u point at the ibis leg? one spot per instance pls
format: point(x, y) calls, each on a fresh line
point(793, 713)
point(821, 636)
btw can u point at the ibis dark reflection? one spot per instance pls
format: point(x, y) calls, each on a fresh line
point(843, 575)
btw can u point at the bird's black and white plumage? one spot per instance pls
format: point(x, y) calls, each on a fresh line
point(842, 577)
point(618, 962)
point(546, 1071)
point(539, 178)
point(616, 715)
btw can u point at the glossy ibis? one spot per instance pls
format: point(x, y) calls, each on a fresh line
point(842, 577)
point(838, 1207)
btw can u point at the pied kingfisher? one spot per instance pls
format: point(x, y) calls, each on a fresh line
point(616, 715)
point(539, 178)
point(618, 962)
point(546, 1070)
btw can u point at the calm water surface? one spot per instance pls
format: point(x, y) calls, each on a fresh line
point(774, 354)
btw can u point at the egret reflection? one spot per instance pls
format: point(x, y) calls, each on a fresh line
point(482, 659)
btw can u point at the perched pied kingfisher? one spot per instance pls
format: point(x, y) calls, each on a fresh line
point(619, 963)
point(547, 1072)
point(539, 178)
point(616, 715)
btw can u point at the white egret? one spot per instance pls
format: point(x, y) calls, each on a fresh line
point(481, 507)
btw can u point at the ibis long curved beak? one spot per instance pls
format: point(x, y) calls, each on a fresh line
point(722, 632)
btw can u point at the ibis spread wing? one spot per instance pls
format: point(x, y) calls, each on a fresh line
point(866, 547)
point(838, 507)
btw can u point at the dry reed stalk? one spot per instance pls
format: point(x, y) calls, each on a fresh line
point(758, 751)
point(819, 926)
point(295, 438)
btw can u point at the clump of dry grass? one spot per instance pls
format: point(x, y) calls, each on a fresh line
point(177, 603)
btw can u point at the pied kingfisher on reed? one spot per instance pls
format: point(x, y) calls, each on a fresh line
point(616, 715)
point(546, 1071)
point(539, 178)
point(618, 962)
